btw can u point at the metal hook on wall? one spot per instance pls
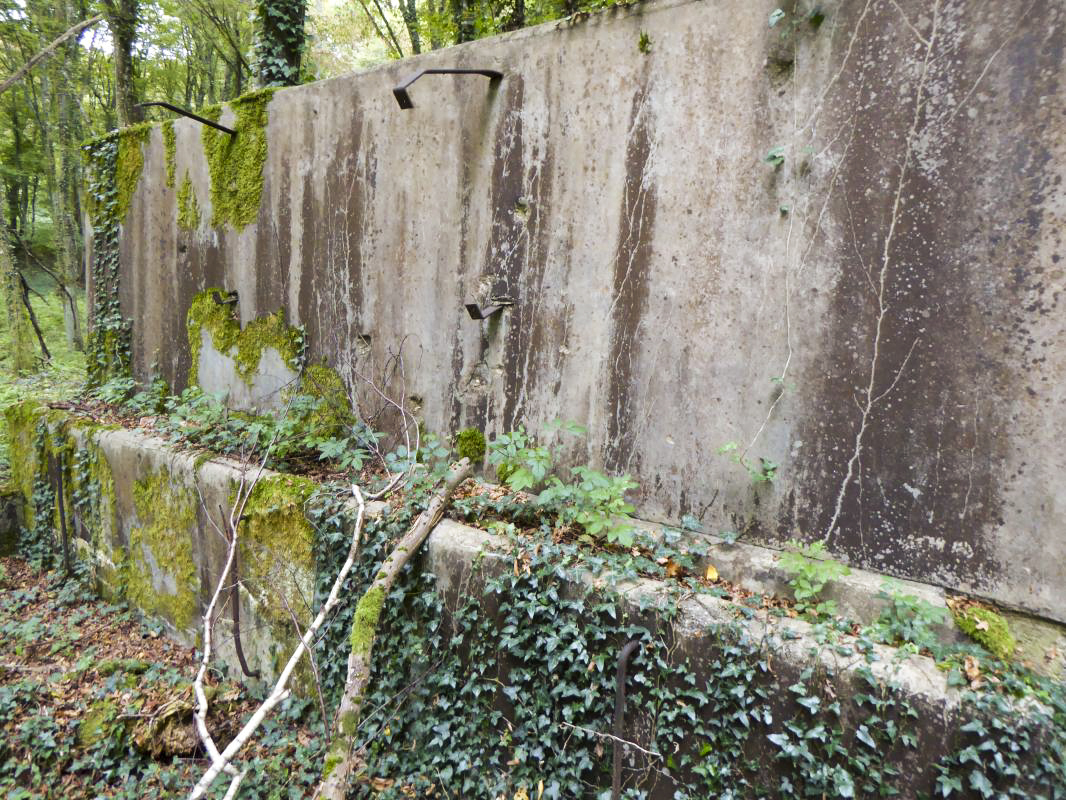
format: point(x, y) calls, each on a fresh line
point(495, 306)
point(404, 99)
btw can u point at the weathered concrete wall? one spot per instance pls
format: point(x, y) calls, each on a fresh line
point(148, 518)
point(893, 341)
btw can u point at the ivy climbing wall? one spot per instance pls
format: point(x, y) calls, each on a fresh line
point(799, 280)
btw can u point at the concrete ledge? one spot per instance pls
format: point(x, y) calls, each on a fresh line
point(155, 554)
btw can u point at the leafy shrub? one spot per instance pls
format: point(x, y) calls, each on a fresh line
point(811, 569)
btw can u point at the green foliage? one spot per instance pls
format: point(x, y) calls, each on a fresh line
point(790, 21)
point(170, 146)
point(776, 157)
point(280, 41)
point(470, 443)
point(188, 206)
point(987, 628)
point(644, 43)
point(236, 162)
point(908, 619)
point(811, 569)
point(765, 471)
point(111, 171)
point(594, 502)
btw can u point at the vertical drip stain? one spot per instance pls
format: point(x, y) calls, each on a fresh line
point(632, 268)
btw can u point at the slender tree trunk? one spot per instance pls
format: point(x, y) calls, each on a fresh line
point(18, 321)
point(409, 9)
point(67, 168)
point(464, 23)
point(122, 19)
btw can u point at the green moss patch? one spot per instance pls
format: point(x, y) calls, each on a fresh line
point(245, 346)
point(22, 421)
point(985, 627)
point(170, 148)
point(276, 542)
point(160, 551)
point(365, 624)
point(129, 164)
point(335, 413)
point(236, 162)
point(188, 206)
point(470, 443)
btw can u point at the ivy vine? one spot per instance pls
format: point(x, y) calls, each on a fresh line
point(108, 348)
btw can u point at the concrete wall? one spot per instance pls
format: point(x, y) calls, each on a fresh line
point(893, 341)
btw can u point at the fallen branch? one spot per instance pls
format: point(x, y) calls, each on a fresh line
point(280, 690)
point(340, 757)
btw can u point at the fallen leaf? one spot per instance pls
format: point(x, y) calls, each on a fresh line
point(981, 625)
point(972, 668)
point(673, 569)
point(711, 573)
point(521, 794)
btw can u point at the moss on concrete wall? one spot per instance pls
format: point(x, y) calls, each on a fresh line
point(170, 146)
point(245, 346)
point(188, 206)
point(236, 162)
point(276, 542)
point(130, 163)
point(159, 569)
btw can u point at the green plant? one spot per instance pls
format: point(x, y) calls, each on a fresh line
point(814, 17)
point(470, 443)
point(907, 618)
point(811, 569)
point(985, 627)
point(765, 471)
point(775, 157)
point(644, 43)
point(594, 502)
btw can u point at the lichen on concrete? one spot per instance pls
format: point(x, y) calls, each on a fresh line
point(236, 162)
point(170, 146)
point(188, 206)
point(159, 569)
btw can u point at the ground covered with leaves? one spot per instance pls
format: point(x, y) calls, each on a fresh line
point(95, 702)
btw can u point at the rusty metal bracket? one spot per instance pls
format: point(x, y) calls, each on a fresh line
point(404, 99)
point(188, 114)
point(496, 305)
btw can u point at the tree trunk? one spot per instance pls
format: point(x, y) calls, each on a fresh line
point(18, 321)
point(341, 755)
point(280, 42)
point(122, 19)
point(409, 9)
point(65, 206)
